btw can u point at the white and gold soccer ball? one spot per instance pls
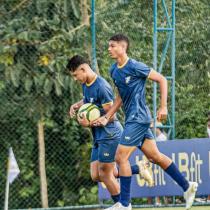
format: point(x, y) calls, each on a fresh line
point(90, 111)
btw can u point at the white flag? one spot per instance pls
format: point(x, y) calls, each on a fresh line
point(13, 167)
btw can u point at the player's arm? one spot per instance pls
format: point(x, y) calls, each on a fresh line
point(157, 77)
point(102, 121)
point(106, 108)
point(114, 108)
point(75, 107)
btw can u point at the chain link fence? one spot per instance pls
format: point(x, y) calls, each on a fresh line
point(37, 37)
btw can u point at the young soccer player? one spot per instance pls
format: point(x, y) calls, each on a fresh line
point(130, 77)
point(97, 90)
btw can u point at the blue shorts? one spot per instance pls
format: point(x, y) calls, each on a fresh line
point(104, 151)
point(135, 133)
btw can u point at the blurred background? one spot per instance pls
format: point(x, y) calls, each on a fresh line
point(36, 39)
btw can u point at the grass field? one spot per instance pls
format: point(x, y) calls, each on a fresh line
point(178, 208)
point(91, 208)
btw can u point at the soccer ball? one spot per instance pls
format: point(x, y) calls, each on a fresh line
point(91, 112)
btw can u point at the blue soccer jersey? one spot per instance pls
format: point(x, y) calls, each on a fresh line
point(99, 92)
point(130, 80)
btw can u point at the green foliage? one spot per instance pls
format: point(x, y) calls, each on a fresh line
point(88, 195)
point(192, 53)
point(37, 37)
point(192, 75)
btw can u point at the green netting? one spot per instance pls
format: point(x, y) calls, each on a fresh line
point(37, 37)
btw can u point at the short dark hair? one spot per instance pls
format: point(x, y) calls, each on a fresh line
point(75, 62)
point(120, 37)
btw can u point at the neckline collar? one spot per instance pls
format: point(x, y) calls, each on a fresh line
point(119, 67)
point(94, 79)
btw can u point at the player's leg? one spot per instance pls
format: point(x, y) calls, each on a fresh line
point(132, 136)
point(122, 159)
point(101, 173)
point(94, 171)
point(116, 171)
point(141, 168)
point(149, 148)
point(107, 177)
point(107, 167)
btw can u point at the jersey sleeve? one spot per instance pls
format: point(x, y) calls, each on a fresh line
point(141, 69)
point(105, 95)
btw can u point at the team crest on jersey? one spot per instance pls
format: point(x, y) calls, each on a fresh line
point(91, 100)
point(127, 79)
point(127, 137)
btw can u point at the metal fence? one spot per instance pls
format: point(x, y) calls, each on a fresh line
point(37, 37)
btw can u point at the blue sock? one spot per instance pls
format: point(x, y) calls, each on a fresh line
point(125, 183)
point(116, 198)
point(135, 169)
point(176, 175)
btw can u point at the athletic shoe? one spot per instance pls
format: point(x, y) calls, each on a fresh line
point(144, 172)
point(189, 195)
point(119, 206)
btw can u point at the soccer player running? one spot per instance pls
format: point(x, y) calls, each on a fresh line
point(130, 77)
point(96, 90)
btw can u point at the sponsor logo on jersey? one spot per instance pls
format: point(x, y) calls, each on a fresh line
point(106, 154)
point(91, 100)
point(127, 137)
point(127, 79)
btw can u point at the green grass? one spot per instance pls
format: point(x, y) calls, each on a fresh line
point(178, 208)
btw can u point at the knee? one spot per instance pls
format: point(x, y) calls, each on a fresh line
point(120, 158)
point(106, 173)
point(103, 172)
point(103, 175)
point(95, 177)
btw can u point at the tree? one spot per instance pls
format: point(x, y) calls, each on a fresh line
point(37, 37)
point(36, 43)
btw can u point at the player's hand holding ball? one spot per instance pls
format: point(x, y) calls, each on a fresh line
point(73, 109)
point(102, 121)
point(87, 113)
point(83, 121)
